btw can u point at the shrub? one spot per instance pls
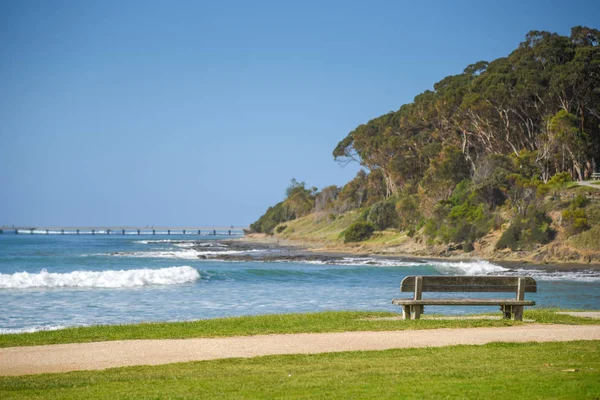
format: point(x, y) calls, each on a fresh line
point(280, 228)
point(525, 233)
point(559, 182)
point(587, 240)
point(462, 219)
point(579, 201)
point(574, 218)
point(409, 216)
point(358, 232)
point(383, 215)
point(574, 221)
point(272, 217)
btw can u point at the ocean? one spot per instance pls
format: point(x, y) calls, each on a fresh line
point(54, 281)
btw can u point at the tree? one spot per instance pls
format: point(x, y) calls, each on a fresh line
point(571, 141)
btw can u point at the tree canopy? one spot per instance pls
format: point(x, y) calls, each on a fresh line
point(544, 98)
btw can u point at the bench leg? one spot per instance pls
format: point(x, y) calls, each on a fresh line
point(506, 311)
point(518, 311)
point(416, 312)
point(405, 312)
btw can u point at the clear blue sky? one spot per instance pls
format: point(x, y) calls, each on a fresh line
point(177, 112)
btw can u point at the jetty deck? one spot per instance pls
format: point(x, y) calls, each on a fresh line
point(124, 230)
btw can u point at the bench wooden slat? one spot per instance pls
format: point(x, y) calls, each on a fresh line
point(463, 302)
point(469, 284)
point(474, 288)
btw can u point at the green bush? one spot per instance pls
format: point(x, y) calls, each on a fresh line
point(358, 231)
point(274, 216)
point(574, 218)
point(462, 219)
point(383, 215)
point(587, 240)
point(280, 228)
point(579, 201)
point(525, 233)
point(409, 216)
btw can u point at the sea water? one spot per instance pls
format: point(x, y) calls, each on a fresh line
point(55, 281)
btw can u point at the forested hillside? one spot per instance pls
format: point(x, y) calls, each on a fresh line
point(494, 147)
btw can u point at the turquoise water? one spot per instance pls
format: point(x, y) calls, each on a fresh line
point(54, 281)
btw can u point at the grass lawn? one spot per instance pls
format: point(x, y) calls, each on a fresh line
point(503, 371)
point(338, 321)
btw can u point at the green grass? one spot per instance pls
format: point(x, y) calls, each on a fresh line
point(517, 371)
point(339, 321)
point(318, 227)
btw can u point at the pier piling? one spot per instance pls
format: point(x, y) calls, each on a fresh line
point(78, 231)
point(62, 231)
point(153, 232)
point(199, 232)
point(168, 231)
point(93, 231)
point(31, 231)
point(47, 231)
point(184, 231)
point(108, 231)
point(214, 232)
point(122, 231)
point(138, 231)
point(230, 232)
point(16, 231)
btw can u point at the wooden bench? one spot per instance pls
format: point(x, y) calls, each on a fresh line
point(596, 176)
point(413, 308)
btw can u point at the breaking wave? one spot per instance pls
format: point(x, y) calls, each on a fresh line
point(444, 267)
point(468, 267)
point(186, 254)
point(100, 279)
point(182, 243)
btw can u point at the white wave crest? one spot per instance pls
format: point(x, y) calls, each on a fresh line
point(468, 267)
point(444, 267)
point(100, 279)
point(187, 254)
point(182, 243)
point(8, 331)
point(590, 276)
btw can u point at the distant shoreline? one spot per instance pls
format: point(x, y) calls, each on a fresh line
point(298, 250)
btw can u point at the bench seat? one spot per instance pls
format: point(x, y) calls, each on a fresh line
point(463, 302)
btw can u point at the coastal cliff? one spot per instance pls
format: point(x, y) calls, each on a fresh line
point(495, 163)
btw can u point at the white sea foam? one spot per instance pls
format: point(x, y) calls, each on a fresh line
point(182, 243)
point(100, 279)
point(456, 267)
point(8, 331)
point(468, 267)
point(542, 275)
point(187, 254)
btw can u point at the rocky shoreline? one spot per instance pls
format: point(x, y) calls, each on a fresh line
point(272, 249)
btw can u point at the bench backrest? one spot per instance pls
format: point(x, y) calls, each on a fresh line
point(443, 283)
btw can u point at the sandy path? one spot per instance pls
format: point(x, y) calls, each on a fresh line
point(101, 355)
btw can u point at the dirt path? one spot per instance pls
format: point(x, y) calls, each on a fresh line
point(101, 355)
point(588, 184)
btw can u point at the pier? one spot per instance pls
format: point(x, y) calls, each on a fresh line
point(124, 230)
